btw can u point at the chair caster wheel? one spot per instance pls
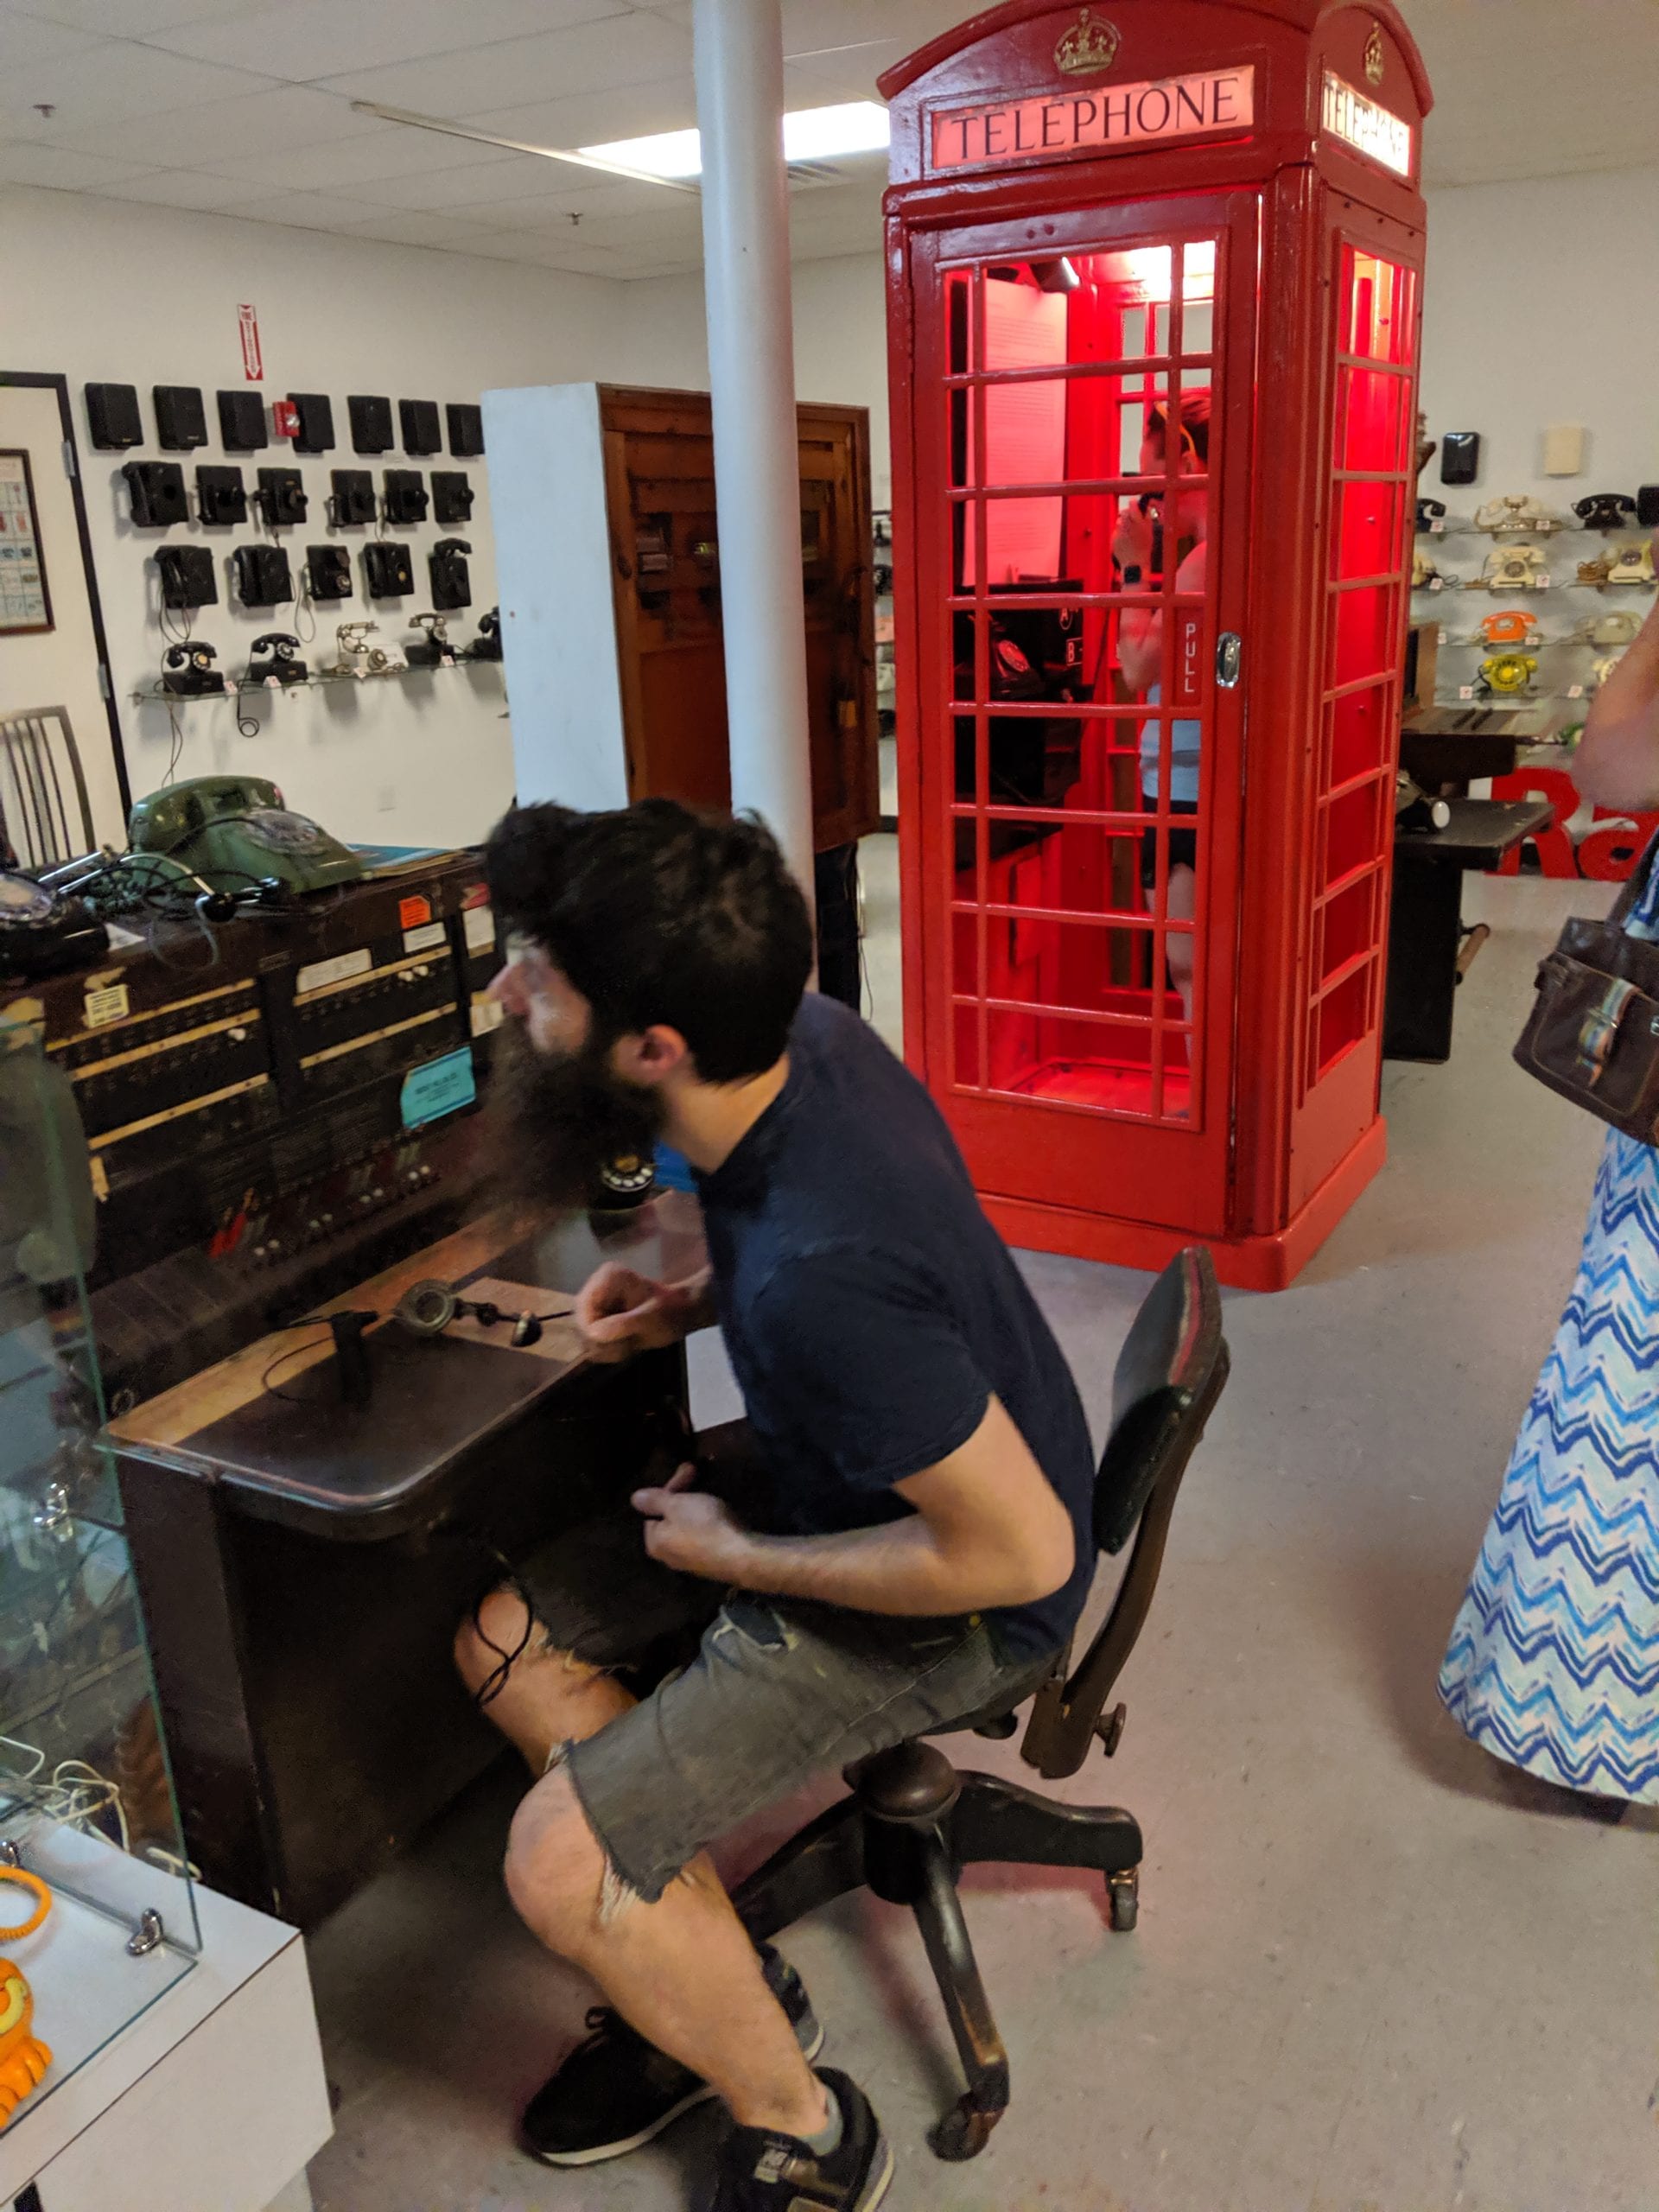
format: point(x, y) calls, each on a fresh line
point(963, 2132)
point(1125, 1892)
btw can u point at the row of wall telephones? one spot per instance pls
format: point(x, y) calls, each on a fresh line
point(264, 578)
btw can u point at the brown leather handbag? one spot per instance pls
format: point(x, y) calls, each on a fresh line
point(1594, 1031)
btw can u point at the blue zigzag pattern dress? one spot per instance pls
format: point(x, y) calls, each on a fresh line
point(1554, 1661)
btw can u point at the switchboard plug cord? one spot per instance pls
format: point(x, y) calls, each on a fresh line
point(506, 1574)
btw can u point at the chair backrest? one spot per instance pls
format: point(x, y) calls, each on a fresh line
point(38, 758)
point(1170, 1373)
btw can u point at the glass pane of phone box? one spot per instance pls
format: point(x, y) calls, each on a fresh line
point(1081, 312)
point(85, 1801)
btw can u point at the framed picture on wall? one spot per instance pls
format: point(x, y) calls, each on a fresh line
point(25, 603)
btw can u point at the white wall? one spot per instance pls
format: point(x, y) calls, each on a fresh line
point(102, 290)
point(841, 344)
point(1542, 307)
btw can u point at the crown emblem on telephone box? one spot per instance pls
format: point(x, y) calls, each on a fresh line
point(1376, 54)
point(1088, 46)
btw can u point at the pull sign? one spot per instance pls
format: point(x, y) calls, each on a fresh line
point(1229, 658)
point(253, 363)
point(1189, 656)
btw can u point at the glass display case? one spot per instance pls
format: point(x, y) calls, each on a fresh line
point(86, 1803)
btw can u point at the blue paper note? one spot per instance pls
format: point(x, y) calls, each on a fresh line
point(438, 1087)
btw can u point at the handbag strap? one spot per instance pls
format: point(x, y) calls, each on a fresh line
point(1636, 887)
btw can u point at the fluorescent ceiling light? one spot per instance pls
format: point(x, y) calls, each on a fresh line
point(811, 134)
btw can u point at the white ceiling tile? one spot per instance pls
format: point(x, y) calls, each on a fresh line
point(519, 176)
point(384, 150)
point(823, 26)
point(210, 195)
point(671, 229)
point(310, 210)
point(596, 118)
point(223, 133)
point(303, 40)
point(549, 253)
point(393, 229)
point(25, 39)
point(59, 169)
point(109, 83)
point(642, 270)
point(550, 211)
point(590, 57)
point(128, 18)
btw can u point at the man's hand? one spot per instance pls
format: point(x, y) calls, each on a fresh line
point(620, 1313)
point(691, 1531)
point(1132, 540)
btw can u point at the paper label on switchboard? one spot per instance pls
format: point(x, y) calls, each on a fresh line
point(422, 939)
point(332, 971)
point(438, 1087)
point(106, 1006)
point(480, 923)
point(487, 1015)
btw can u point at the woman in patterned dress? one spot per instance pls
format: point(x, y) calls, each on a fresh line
point(1554, 1661)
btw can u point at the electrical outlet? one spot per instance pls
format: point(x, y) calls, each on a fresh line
point(385, 798)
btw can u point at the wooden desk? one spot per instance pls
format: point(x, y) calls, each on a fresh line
point(304, 1563)
point(1425, 926)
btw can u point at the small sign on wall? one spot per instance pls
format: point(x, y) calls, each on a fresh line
point(24, 603)
point(253, 361)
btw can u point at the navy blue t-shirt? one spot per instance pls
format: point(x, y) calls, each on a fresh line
point(870, 1310)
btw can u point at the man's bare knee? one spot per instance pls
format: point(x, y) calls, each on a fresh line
point(555, 1867)
point(499, 1628)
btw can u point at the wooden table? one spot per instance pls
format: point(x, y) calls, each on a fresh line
point(1425, 962)
point(304, 1562)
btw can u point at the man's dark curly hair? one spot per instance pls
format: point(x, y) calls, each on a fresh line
point(658, 915)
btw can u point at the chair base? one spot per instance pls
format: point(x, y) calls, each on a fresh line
point(910, 1825)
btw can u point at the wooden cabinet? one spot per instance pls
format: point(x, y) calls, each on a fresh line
point(584, 474)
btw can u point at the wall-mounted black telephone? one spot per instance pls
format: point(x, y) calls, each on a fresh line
point(262, 576)
point(156, 489)
point(186, 575)
point(451, 582)
point(388, 569)
point(282, 497)
point(351, 499)
point(328, 571)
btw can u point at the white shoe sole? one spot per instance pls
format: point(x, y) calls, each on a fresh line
point(880, 2179)
point(700, 2095)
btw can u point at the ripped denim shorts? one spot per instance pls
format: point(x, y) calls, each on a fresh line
point(777, 1691)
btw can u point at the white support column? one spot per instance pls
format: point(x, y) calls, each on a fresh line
point(739, 56)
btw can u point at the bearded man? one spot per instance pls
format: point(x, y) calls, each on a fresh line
point(897, 1541)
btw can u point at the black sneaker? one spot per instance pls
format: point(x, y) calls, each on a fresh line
point(616, 2091)
point(763, 2172)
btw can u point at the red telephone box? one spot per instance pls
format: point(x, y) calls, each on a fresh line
point(1153, 299)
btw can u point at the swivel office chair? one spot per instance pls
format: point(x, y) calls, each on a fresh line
point(913, 1820)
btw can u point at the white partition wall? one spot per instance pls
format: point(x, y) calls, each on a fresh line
point(546, 459)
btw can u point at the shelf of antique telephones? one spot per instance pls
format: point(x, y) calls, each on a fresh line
point(304, 683)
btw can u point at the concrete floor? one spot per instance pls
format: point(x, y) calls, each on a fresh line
point(1375, 1970)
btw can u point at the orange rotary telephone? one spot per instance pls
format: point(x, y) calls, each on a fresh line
point(1509, 628)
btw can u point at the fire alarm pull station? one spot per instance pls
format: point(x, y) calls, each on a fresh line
point(1155, 296)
